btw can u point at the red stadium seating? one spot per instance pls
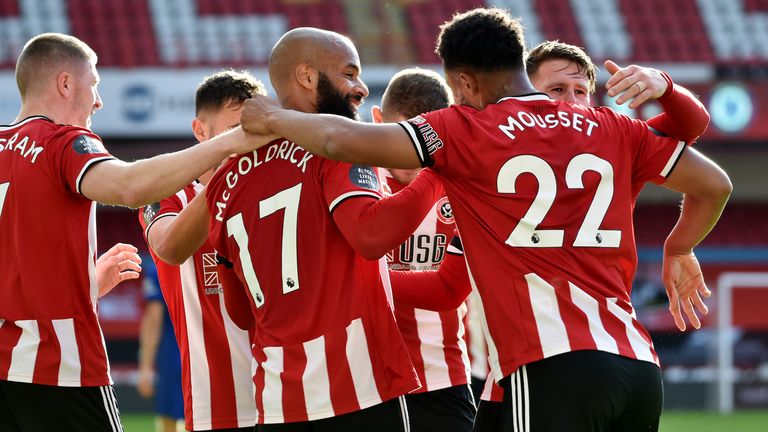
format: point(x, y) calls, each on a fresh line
point(135, 33)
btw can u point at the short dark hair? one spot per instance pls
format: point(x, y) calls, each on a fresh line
point(482, 39)
point(415, 91)
point(44, 52)
point(556, 50)
point(226, 88)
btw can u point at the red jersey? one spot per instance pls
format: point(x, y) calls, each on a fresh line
point(215, 353)
point(325, 339)
point(435, 340)
point(542, 196)
point(49, 329)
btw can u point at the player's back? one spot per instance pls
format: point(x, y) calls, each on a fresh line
point(326, 342)
point(542, 195)
point(48, 245)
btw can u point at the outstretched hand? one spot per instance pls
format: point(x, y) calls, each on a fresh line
point(635, 84)
point(120, 263)
point(685, 287)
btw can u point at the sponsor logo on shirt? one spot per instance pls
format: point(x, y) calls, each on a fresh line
point(364, 177)
point(210, 275)
point(85, 144)
point(444, 211)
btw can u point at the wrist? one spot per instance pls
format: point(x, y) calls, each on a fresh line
point(670, 84)
point(672, 247)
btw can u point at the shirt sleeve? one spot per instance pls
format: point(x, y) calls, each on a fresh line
point(654, 156)
point(443, 140)
point(170, 206)
point(77, 150)
point(342, 181)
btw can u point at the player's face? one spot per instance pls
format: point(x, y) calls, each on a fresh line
point(223, 120)
point(561, 80)
point(86, 99)
point(339, 88)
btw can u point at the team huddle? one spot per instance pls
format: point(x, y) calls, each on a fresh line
point(320, 271)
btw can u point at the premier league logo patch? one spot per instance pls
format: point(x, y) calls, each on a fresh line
point(85, 144)
point(444, 211)
point(150, 212)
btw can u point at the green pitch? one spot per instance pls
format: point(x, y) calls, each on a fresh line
point(671, 421)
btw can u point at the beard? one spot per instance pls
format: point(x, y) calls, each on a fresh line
point(331, 101)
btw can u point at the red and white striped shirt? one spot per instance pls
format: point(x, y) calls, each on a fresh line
point(542, 195)
point(216, 361)
point(49, 329)
point(435, 340)
point(325, 339)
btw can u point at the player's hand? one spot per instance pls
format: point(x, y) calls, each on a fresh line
point(255, 114)
point(120, 263)
point(146, 383)
point(635, 84)
point(685, 287)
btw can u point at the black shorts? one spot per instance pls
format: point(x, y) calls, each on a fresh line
point(489, 416)
point(445, 410)
point(583, 391)
point(34, 407)
point(389, 416)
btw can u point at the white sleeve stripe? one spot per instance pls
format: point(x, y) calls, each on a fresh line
point(342, 197)
point(88, 165)
point(414, 139)
point(146, 230)
point(673, 159)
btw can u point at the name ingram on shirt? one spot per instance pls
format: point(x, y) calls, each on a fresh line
point(285, 150)
point(523, 119)
point(25, 148)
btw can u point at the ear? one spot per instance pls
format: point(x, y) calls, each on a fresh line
point(377, 115)
point(307, 76)
point(64, 82)
point(198, 128)
point(468, 83)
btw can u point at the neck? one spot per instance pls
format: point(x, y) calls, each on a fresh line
point(298, 104)
point(36, 107)
point(504, 84)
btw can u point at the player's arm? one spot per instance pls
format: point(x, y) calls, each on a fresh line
point(150, 329)
point(375, 226)
point(437, 290)
point(330, 136)
point(174, 238)
point(706, 189)
point(120, 263)
point(684, 116)
point(235, 298)
point(141, 182)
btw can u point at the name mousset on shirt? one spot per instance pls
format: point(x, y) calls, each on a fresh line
point(566, 119)
point(285, 150)
point(10, 144)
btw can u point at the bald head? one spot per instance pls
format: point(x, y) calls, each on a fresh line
point(319, 49)
point(45, 56)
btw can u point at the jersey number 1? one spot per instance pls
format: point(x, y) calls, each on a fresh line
point(287, 199)
point(3, 192)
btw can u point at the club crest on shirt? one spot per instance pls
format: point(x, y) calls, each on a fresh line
point(364, 177)
point(150, 212)
point(444, 211)
point(85, 144)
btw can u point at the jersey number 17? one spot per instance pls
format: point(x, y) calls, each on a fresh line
point(287, 199)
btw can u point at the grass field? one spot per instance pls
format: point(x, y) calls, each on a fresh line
point(671, 421)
